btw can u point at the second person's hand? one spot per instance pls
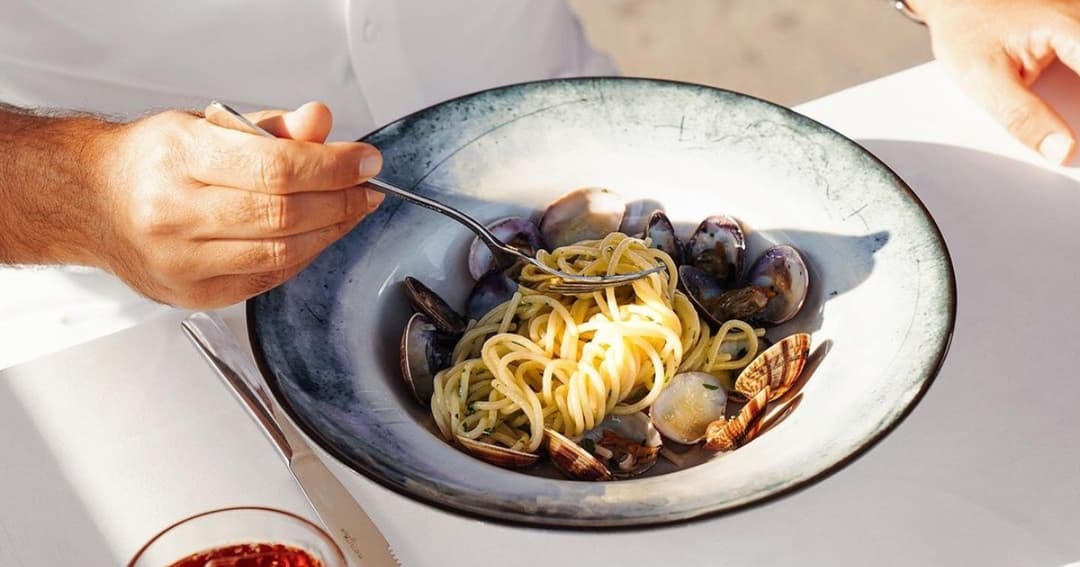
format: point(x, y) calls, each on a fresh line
point(995, 50)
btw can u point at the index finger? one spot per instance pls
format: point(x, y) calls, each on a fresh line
point(279, 166)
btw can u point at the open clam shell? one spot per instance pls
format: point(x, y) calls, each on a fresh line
point(662, 233)
point(718, 246)
point(782, 271)
point(426, 301)
point(424, 351)
point(584, 214)
point(573, 460)
point(716, 303)
point(777, 368)
point(497, 455)
point(743, 303)
point(700, 287)
point(518, 232)
point(727, 435)
point(687, 405)
point(628, 445)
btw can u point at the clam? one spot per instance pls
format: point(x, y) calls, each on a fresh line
point(700, 287)
point(492, 289)
point(621, 446)
point(777, 368)
point(718, 246)
point(637, 214)
point(744, 303)
point(727, 435)
point(424, 351)
point(627, 444)
point(496, 454)
point(585, 214)
point(687, 405)
point(782, 272)
point(426, 301)
point(774, 293)
point(572, 459)
point(714, 303)
point(515, 231)
point(662, 233)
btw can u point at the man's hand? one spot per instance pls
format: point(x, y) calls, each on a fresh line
point(996, 49)
point(187, 212)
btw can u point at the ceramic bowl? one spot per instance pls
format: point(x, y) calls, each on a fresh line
point(880, 311)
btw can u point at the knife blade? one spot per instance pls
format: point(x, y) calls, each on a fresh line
point(346, 522)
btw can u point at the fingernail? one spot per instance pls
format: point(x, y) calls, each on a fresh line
point(370, 165)
point(374, 199)
point(1056, 148)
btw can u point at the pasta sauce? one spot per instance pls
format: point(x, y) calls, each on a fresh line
point(251, 555)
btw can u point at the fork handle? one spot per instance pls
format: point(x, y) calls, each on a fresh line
point(480, 230)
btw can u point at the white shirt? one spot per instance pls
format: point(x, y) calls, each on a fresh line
point(371, 61)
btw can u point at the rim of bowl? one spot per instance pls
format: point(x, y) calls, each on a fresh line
point(275, 511)
point(938, 360)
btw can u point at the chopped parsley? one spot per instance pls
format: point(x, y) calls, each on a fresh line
point(710, 386)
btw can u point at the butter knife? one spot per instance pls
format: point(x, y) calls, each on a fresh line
point(350, 527)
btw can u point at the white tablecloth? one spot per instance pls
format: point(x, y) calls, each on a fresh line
point(111, 440)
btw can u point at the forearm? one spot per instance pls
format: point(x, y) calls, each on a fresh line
point(51, 187)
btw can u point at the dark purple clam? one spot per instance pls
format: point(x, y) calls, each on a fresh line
point(662, 233)
point(782, 272)
point(637, 215)
point(585, 214)
point(424, 351)
point(426, 301)
point(718, 246)
point(492, 289)
point(743, 303)
point(700, 287)
point(515, 231)
point(715, 303)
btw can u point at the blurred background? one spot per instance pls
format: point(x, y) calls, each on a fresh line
point(786, 51)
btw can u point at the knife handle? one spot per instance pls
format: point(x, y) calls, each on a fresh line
point(218, 346)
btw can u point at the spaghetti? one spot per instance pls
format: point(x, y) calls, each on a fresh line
point(567, 361)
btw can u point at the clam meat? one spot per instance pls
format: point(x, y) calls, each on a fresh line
point(620, 446)
point(718, 246)
point(687, 405)
point(781, 272)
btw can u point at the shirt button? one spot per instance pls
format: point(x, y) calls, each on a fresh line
point(371, 31)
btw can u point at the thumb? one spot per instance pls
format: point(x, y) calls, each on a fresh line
point(1001, 90)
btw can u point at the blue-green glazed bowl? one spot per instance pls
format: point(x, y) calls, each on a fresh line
point(881, 306)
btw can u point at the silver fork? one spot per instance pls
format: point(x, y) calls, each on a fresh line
point(505, 255)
